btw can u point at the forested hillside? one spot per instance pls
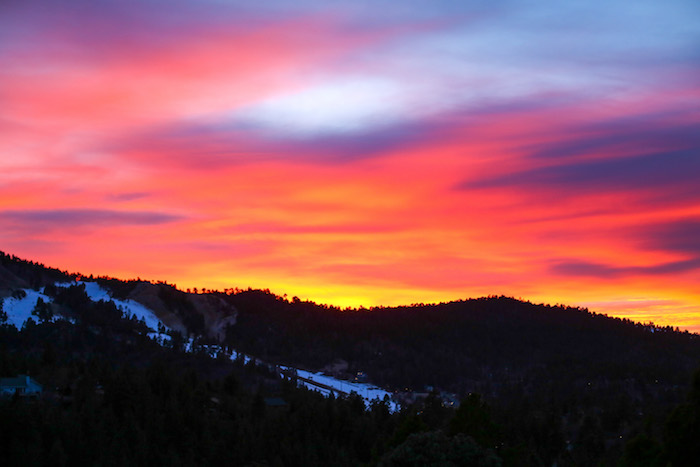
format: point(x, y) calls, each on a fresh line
point(112, 396)
point(538, 384)
point(574, 380)
point(458, 345)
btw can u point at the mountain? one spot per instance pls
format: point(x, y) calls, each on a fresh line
point(189, 314)
point(118, 390)
point(538, 384)
point(199, 314)
point(454, 345)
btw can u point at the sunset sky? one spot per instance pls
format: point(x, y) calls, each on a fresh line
point(361, 153)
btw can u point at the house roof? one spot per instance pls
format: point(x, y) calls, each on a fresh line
point(275, 402)
point(19, 381)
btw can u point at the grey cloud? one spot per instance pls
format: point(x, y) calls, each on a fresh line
point(83, 217)
point(589, 269)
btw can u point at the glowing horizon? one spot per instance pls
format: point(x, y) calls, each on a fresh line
point(361, 153)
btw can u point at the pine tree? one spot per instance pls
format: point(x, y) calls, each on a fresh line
point(3, 314)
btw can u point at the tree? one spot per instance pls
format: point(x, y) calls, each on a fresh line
point(19, 294)
point(410, 425)
point(57, 455)
point(682, 431)
point(590, 442)
point(231, 384)
point(472, 418)
point(3, 315)
point(42, 311)
point(434, 448)
point(642, 451)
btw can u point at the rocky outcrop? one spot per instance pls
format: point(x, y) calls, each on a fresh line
point(208, 314)
point(218, 314)
point(147, 294)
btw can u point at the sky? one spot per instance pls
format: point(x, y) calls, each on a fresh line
point(361, 153)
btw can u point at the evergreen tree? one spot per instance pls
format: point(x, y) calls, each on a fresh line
point(682, 431)
point(42, 311)
point(3, 314)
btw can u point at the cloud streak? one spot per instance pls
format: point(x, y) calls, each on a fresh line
point(75, 218)
point(579, 268)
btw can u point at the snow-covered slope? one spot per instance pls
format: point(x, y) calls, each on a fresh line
point(364, 390)
point(130, 307)
point(19, 310)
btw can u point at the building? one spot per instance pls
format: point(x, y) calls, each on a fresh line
point(22, 385)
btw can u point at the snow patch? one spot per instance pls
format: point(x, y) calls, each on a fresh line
point(368, 392)
point(19, 310)
point(129, 307)
point(159, 337)
point(234, 356)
